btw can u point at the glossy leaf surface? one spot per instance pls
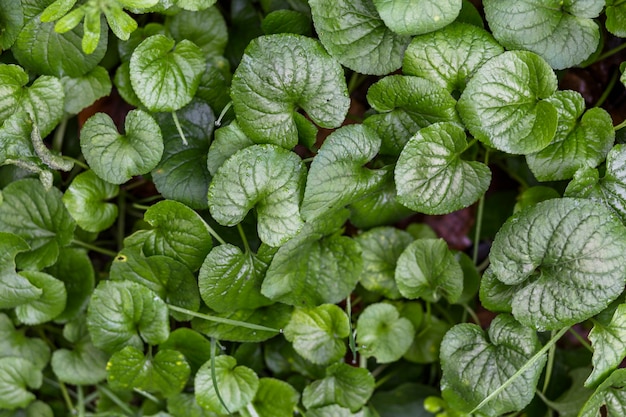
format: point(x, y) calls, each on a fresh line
point(86, 200)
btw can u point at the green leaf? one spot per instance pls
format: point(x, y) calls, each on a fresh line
point(563, 33)
point(432, 178)
point(16, 376)
point(274, 398)
point(159, 61)
point(427, 342)
point(206, 28)
point(337, 176)
point(166, 372)
point(333, 410)
point(583, 138)
point(353, 32)
point(195, 347)
point(382, 333)
point(550, 252)
point(34, 409)
point(609, 349)
point(615, 17)
point(227, 141)
point(49, 305)
point(468, 355)
point(124, 313)
point(277, 75)
point(116, 158)
point(237, 386)
point(427, 269)
point(230, 279)
point(83, 91)
point(121, 24)
point(405, 105)
point(194, 5)
point(319, 333)
point(123, 85)
point(609, 396)
point(39, 217)
point(344, 385)
point(11, 22)
point(415, 17)
point(86, 200)
point(15, 289)
point(449, 57)
point(177, 231)
point(267, 177)
point(286, 21)
point(182, 174)
point(185, 405)
point(380, 248)
point(14, 343)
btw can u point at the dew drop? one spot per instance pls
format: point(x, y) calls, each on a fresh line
point(281, 331)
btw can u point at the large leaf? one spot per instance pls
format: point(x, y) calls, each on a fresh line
point(86, 200)
point(15, 289)
point(344, 385)
point(11, 21)
point(278, 74)
point(124, 313)
point(83, 91)
point(267, 177)
point(159, 61)
point(563, 33)
point(609, 396)
point(615, 17)
point(17, 375)
point(319, 333)
point(450, 56)
point(415, 17)
point(274, 398)
point(206, 28)
point(475, 365)
point(116, 158)
point(49, 305)
point(431, 176)
point(503, 104)
point(14, 343)
point(382, 333)
point(353, 32)
point(39, 217)
point(564, 258)
point(337, 176)
point(582, 139)
point(608, 338)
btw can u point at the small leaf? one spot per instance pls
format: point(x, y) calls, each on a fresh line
point(11, 20)
point(237, 386)
point(382, 333)
point(353, 32)
point(206, 28)
point(49, 305)
point(14, 343)
point(227, 141)
point(615, 18)
point(15, 289)
point(467, 355)
point(277, 75)
point(564, 34)
point(86, 200)
point(159, 61)
point(609, 396)
point(16, 376)
point(167, 372)
point(607, 338)
point(427, 342)
point(583, 138)
point(319, 333)
point(267, 177)
point(344, 385)
point(337, 176)
point(427, 269)
point(195, 347)
point(450, 56)
point(415, 17)
point(432, 178)
point(185, 405)
point(83, 91)
point(124, 313)
point(274, 398)
point(562, 276)
point(504, 103)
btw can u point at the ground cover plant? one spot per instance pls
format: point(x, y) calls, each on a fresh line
point(327, 208)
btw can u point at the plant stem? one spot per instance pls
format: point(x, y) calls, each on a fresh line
point(244, 239)
point(213, 233)
point(179, 128)
point(549, 366)
point(218, 122)
point(81, 401)
point(121, 219)
point(66, 398)
point(140, 206)
point(121, 404)
point(214, 376)
point(77, 162)
point(355, 80)
point(521, 370)
point(94, 248)
point(479, 218)
point(251, 410)
point(581, 339)
point(59, 134)
point(147, 395)
point(621, 125)
point(351, 338)
point(608, 89)
point(609, 53)
point(471, 312)
point(222, 320)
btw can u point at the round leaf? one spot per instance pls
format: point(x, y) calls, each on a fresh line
point(267, 177)
point(344, 385)
point(49, 305)
point(383, 334)
point(83, 91)
point(117, 158)
point(414, 17)
point(15, 289)
point(227, 141)
point(206, 28)
point(615, 17)
point(157, 62)
point(279, 73)
point(195, 347)
point(565, 257)
point(274, 398)
point(86, 200)
point(16, 376)
point(14, 343)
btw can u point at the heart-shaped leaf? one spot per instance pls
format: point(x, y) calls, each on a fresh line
point(237, 386)
point(49, 305)
point(278, 74)
point(86, 200)
point(564, 34)
point(451, 55)
point(382, 333)
point(353, 32)
point(14, 288)
point(563, 256)
point(415, 17)
point(504, 103)
point(124, 313)
point(319, 333)
point(117, 158)
point(83, 91)
point(274, 398)
point(337, 176)
point(583, 138)
point(267, 177)
point(467, 355)
point(226, 142)
point(432, 178)
point(344, 385)
point(166, 372)
point(17, 375)
point(195, 347)
point(159, 61)
point(609, 396)
point(608, 340)
point(14, 343)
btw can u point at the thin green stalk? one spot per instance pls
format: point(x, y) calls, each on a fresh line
point(244, 239)
point(384, 379)
point(251, 410)
point(66, 398)
point(218, 122)
point(80, 404)
point(521, 370)
point(621, 125)
point(59, 134)
point(355, 80)
point(121, 404)
point(608, 89)
point(549, 366)
point(581, 339)
point(214, 376)
point(609, 53)
point(213, 233)
point(179, 128)
point(351, 338)
point(140, 206)
point(147, 395)
point(121, 219)
point(77, 162)
point(94, 248)
point(471, 312)
point(479, 218)
point(223, 320)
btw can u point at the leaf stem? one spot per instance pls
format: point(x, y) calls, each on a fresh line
point(77, 162)
point(609, 53)
point(148, 396)
point(121, 219)
point(222, 320)
point(227, 107)
point(471, 312)
point(59, 135)
point(214, 377)
point(479, 218)
point(549, 366)
point(213, 233)
point(81, 401)
point(251, 410)
point(621, 125)
point(244, 239)
point(521, 370)
point(351, 338)
point(179, 128)
point(581, 339)
point(94, 248)
point(121, 404)
point(608, 89)
point(66, 397)
point(355, 80)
